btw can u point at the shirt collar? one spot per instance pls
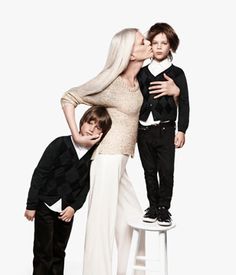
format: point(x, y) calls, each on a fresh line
point(80, 150)
point(156, 67)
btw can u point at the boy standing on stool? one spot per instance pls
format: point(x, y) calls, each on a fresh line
point(59, 187)
point(157, 139)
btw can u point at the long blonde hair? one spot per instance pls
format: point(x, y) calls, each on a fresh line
point(117, 61)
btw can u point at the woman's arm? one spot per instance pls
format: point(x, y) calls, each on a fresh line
point(69, 112)
point(70, 100)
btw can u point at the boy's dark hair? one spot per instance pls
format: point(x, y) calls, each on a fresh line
point(100, 115)
point(168, 31)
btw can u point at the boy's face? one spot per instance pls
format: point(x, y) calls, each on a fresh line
point(160, 47)
point(90, 128)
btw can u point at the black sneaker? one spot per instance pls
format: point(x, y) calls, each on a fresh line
point(150, 215)
point(163, 216)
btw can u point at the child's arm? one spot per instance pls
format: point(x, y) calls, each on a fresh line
point(183, 106)
point(67, 214)
point(183, 110)
point(41, 172)
point(82, 195)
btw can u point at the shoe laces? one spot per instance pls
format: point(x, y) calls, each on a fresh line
point(163, 213)
point(150, 210)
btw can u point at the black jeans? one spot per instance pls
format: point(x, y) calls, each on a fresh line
point(157, 154)
point(51, 236)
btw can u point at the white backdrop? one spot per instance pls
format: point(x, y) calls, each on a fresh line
point(50, 46)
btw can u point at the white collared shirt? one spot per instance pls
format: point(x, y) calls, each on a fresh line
point(81, 151)
point(155, 69)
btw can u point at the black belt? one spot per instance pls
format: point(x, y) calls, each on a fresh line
point(161, 124)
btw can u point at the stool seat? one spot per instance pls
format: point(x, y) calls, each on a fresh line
point(141, 227)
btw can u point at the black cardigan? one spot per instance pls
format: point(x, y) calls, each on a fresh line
point(164, 108)
point(60, 174)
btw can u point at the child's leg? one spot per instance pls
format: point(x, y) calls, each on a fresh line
point(147, 144)
point(166, 172)
point(43, 240)
point(62, 232)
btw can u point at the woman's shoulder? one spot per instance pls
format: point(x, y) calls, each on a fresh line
point(116, 83)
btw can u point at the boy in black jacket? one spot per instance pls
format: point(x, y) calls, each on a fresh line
point(157, 139)
point(59, 187)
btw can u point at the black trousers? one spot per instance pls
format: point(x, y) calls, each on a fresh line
point(51, 236)
point(157, 154)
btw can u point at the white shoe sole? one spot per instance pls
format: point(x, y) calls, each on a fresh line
point(164, 223)
point(149, 220)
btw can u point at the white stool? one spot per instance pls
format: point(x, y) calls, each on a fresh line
point(162, 247)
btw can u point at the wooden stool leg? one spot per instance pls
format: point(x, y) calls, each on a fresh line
point(133, 251)
point(163, 252)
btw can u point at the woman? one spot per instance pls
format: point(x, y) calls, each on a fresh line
point(112, 198)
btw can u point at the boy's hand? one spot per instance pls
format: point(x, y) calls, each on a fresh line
point(163, 88)
point(30, 214)
point(67, 214)
point(87, 141)
point(179, 140)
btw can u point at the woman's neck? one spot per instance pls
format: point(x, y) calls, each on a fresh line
point(131, 72)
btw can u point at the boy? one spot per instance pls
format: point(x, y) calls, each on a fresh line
point(156, 135)
point(59, 187)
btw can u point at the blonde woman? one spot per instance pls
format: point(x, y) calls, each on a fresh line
point(112, 199)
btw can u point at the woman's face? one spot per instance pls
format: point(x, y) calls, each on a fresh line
point(142, 49)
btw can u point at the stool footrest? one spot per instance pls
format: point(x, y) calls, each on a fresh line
point(144, 258)
point(143, 268)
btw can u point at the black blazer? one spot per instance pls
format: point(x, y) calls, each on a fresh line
point(60, 174)
point(164, 108)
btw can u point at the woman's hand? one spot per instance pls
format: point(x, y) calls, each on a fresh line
point(179, 140)
point(162, 88)
point(86, 141)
